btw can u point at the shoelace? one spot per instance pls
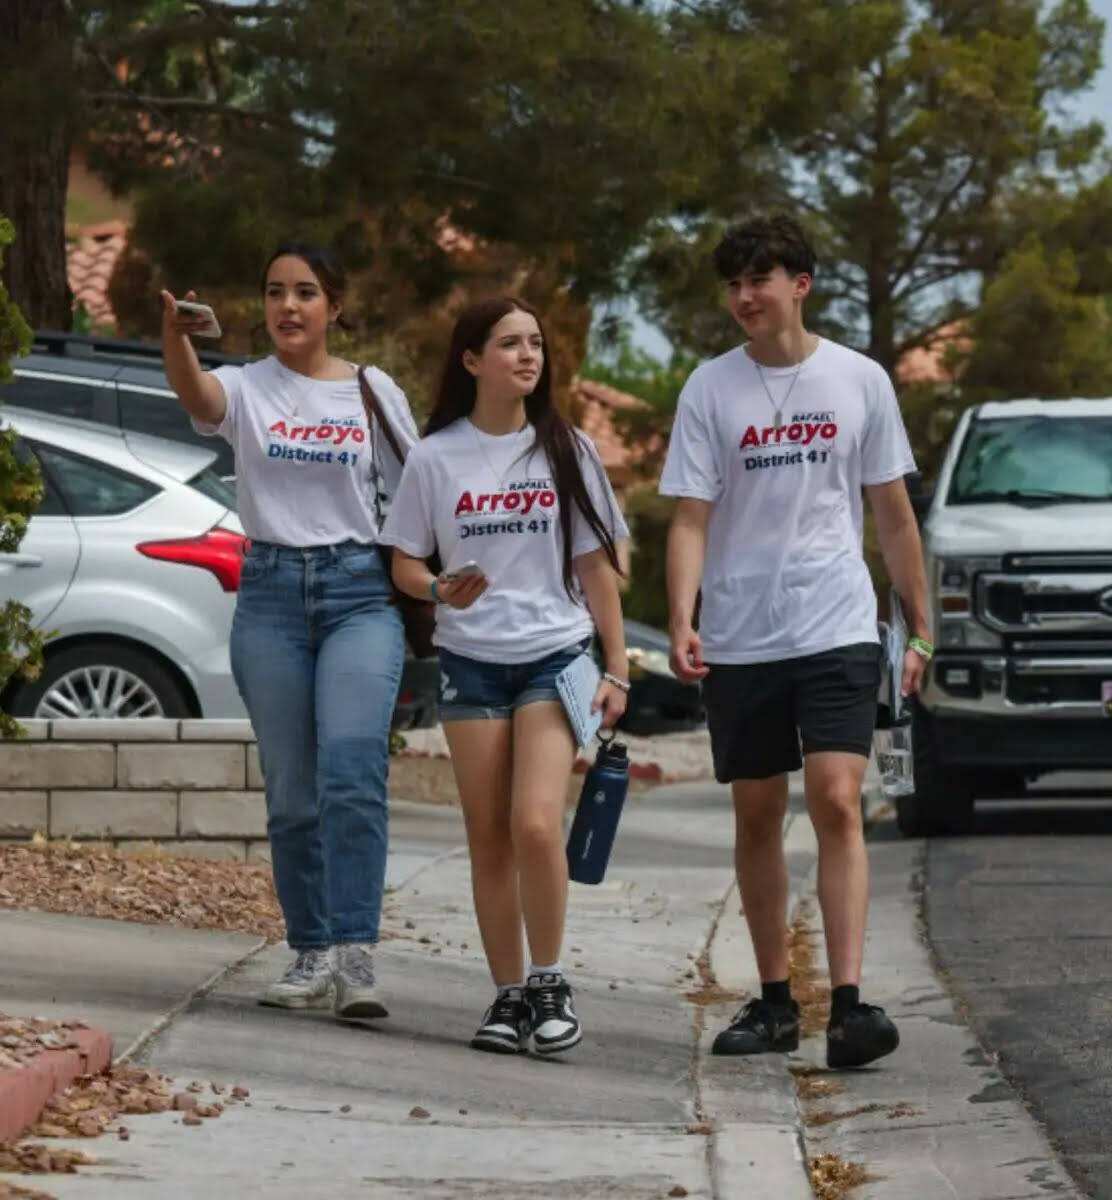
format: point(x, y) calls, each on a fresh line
point(506, 1010)
point(305, 966)
point(752, 1010)
point(356, 963)
point(547, 1001)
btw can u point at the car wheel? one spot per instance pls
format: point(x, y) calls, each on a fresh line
point(942, 801)
point(100, 681)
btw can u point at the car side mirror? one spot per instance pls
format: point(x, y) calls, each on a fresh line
point(919, 495)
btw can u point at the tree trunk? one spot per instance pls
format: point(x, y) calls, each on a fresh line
point(36, 62)
point(883, 235)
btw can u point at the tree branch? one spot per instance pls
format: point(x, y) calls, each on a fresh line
point(928, 230)
point(939, 275)
point(159, 105)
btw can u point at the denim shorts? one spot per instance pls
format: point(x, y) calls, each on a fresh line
point(471, 690)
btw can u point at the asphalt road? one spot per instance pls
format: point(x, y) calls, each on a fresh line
point(1019, 916)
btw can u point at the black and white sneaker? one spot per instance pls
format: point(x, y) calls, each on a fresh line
point(760, 1028)
point(861, 1036)
point(552, 1019)
point(505, 1028)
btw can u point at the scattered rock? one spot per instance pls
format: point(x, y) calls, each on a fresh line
point(345, 1108)
point(678, 1190)
point(68, 877)
point(421, 1114)
point(191, 1118)
point(240, 1092)
point(184, 1102)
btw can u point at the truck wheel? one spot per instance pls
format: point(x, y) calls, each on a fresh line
point(943, 798)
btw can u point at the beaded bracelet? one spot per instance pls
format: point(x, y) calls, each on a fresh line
point(921, 647)
point(618, 683)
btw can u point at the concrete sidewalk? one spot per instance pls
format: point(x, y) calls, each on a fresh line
point(638, 1110)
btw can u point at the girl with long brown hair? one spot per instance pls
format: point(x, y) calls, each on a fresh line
point(518, 505)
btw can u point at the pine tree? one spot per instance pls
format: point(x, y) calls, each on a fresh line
point(20, 493)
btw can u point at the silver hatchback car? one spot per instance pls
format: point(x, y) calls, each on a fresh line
point(132, 563)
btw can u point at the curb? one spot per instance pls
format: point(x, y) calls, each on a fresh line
point(25, 1090)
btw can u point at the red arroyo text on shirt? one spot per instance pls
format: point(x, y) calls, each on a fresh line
point(336, 434)
point(522, 501)
point(803, 432)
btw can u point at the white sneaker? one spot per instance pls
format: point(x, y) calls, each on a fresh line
point(307, 982)
point(553, 1022)
point(354, 976)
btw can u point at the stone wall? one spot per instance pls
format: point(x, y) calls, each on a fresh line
point(192, 785)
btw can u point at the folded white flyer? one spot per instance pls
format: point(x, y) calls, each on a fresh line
point(895, 650)
point(577, 684)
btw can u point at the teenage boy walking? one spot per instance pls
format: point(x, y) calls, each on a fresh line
point(771, 447)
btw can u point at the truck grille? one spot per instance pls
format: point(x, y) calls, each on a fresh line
point(1047, 601)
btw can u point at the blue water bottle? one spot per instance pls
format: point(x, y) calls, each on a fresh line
point(596, 816)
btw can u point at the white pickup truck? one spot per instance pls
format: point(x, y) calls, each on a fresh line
point(1018, 544)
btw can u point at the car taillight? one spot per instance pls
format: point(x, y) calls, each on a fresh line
point(219, 551)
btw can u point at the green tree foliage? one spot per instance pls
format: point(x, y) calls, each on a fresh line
point(364, 122)
point(908, 137)
point(1036, 335)
point(20, 493)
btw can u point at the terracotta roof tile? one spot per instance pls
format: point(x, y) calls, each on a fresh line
point(596, 403)
point(90, 259)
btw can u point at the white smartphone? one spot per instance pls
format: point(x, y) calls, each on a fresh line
point(211, 328)
point(468, 569)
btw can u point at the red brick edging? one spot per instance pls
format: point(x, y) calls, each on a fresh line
point(25, 1090)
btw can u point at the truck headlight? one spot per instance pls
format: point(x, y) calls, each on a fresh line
point(955, 622)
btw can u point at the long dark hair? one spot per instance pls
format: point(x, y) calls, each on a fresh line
point(455, 398)
point(325, 265)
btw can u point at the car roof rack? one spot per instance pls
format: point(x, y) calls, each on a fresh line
point(80, 345)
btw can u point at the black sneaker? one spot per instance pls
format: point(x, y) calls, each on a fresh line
point(552, 1020)
point(505, 1028)
point(862, 1035)
point(760, 1028)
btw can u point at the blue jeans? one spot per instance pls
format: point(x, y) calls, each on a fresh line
point(471, 690)
point(317, 653)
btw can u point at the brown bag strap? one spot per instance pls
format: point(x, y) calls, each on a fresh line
point(374, 411)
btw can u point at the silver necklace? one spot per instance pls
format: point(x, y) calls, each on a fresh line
point(778, 409)
point(500, 477)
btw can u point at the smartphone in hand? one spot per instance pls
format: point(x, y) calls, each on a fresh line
point(191, 308)
point(465, 572)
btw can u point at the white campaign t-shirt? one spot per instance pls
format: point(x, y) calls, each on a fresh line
point(784, 575)
point(306, 468)
point(474, 496)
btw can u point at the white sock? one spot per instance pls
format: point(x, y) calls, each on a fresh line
point(555, 969)
point(507, 987)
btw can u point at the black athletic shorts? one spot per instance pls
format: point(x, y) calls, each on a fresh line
point(759, 713)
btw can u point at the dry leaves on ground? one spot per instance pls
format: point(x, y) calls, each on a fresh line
point(94, 1105)
point(12, 1191)
point(21, 1039)
point(810, 988)
point(155, 888)
point(833, 1177)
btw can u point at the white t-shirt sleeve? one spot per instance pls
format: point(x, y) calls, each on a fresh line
point(583, 538)
point(409, 523)
point(690, 468)
point(231, 380)
point(885, 449)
